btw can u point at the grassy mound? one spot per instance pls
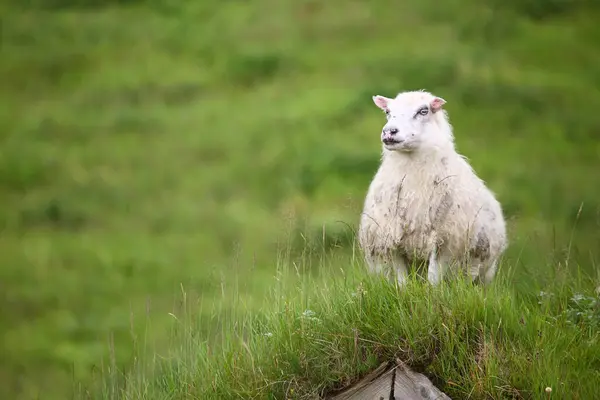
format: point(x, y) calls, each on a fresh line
point(471, 341)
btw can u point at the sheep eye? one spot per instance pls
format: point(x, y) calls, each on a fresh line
point(423, 111)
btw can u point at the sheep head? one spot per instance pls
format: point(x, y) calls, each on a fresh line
point(416, 121)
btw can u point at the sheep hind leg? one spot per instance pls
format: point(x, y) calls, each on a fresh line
point(482, 272)
point(490, 272)
point(475, 269)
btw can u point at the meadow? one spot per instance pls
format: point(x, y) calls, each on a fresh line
point(219, 151)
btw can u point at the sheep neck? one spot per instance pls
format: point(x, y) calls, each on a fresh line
point(420, 156)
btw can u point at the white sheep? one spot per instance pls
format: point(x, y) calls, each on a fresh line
point(425, 202)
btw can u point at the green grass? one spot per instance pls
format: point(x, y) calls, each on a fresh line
point(319, 336)
point(150, 145)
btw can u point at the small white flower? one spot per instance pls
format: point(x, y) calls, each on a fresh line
point(310, 315)
point(578, 297)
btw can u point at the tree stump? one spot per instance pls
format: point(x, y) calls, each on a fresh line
point(392, 381)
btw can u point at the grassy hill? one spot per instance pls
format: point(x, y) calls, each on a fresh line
point(150, 146)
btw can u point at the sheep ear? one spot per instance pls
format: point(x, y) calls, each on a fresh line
point(436, 104)
point(381, 102)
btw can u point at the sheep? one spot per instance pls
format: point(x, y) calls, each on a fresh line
point(425, 202)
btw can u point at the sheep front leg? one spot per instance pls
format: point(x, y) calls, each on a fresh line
point(435, 270)
point(374, 265)
point(389, 266)
point(401, 268)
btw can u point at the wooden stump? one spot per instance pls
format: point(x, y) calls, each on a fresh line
point(392, 381)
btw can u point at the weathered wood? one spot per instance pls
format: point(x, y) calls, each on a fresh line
point(392, 381)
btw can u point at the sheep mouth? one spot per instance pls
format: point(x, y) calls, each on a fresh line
point(391, 142)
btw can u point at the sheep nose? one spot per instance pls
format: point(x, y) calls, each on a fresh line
point(390, 131)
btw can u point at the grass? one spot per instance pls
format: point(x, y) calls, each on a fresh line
point(150, 145)
point(320, 335)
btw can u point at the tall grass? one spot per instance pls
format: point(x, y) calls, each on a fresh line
point(317, 335)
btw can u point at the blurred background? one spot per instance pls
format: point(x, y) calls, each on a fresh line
point(152, 145)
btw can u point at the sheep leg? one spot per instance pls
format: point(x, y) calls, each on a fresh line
point(389, 265)
point(475, 270)
point(435, 270)
point(482, 272)
point(380, 265)
point(375, 266)
point(401, 268)
point(490, 273)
